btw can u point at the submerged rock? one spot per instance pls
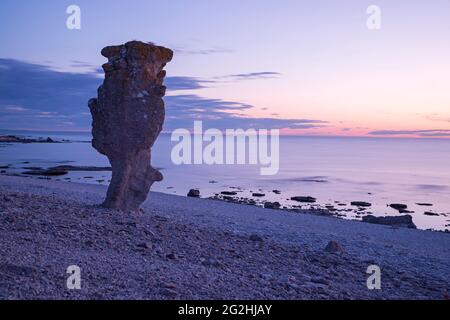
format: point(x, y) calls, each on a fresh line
point(128, 116)
point(399, 221)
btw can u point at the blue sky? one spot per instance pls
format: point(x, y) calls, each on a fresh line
point(310, 66)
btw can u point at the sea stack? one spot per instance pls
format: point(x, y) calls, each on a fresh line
point(128, 116)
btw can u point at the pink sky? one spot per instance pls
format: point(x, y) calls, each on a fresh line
point(327, 64)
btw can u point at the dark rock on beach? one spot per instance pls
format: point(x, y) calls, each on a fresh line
point(432, 214)
point(399, 221)
point(272, 205)
point(334, 247)
point(194, 193)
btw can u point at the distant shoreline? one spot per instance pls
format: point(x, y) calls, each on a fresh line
point(29, 139)
point(18, 139)
point(88, 132)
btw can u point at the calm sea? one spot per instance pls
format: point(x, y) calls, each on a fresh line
point(380, 171)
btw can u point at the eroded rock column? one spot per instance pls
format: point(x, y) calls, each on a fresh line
point(128, 116)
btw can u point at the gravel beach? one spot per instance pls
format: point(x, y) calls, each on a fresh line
point(187, 248)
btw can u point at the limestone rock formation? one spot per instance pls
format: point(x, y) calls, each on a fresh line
point(128, 116)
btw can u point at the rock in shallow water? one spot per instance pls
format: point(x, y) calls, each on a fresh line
point(229, 193)
point(46, 172)
point(258, 195)
point(424, 204)
point(304, 199)
point(127, 118)
point(398, 206)
point(399, 221)
point(361, 204)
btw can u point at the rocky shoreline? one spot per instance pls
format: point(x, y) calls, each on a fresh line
point(184, 248)
point(17, 139)
point(338, 210)
point(297, 204)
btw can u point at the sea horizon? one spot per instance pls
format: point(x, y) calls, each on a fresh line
point(41, 133)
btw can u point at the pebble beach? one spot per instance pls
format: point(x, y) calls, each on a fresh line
point(187, 248)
